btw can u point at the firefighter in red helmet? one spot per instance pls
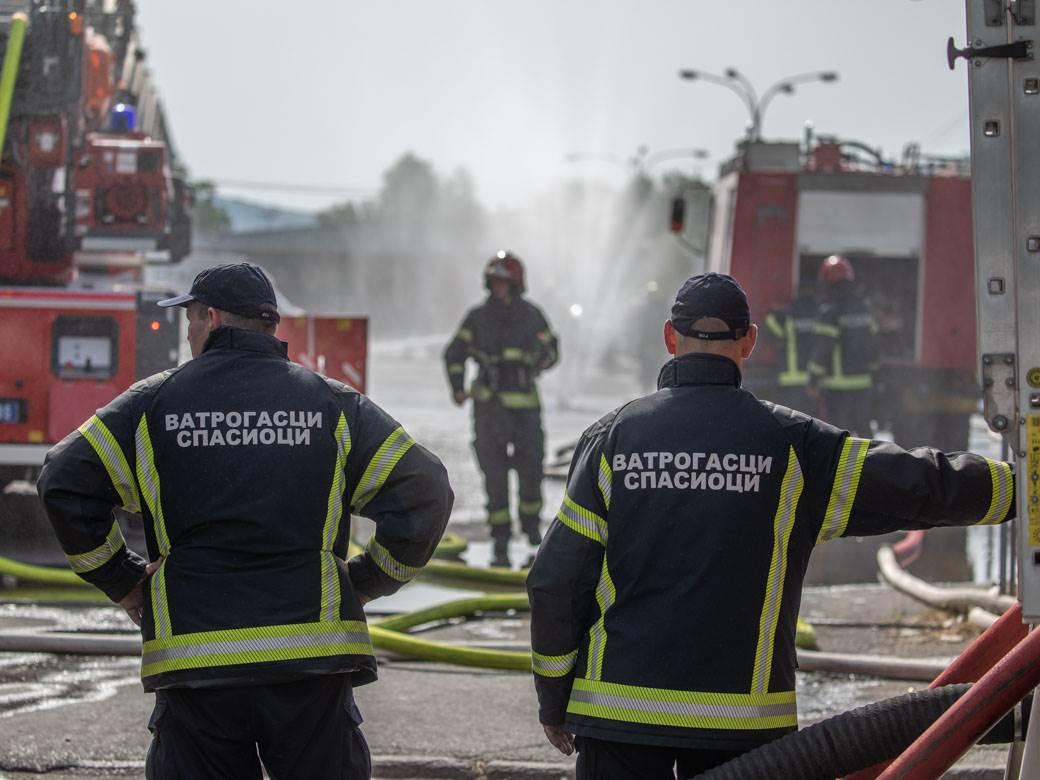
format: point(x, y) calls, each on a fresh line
point(845, 352)
point(511, 342)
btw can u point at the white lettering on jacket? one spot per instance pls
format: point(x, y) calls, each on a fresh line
point(732, 472)
point(246, 428)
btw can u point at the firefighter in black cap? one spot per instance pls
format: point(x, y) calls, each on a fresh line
point(511, 342)
point(246, 469)
point(665, 596)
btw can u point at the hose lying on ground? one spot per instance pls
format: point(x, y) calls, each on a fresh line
point(845, 743)
point(955, 599)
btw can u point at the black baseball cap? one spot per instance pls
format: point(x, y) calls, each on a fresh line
point(239, 288)
point(711, 295)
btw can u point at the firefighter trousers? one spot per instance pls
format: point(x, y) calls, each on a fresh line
point(600, 759)
point(504, 439)
point(308, 728)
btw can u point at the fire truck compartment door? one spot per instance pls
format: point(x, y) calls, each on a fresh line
point(72, 402)
point(887, 224)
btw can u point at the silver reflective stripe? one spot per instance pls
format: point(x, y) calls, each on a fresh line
point(390, 565)
point(553, 665)
point(160, 609)
point(843, 491)
point(606, 477)
point(243, 647)
point(582, 520)
point(100, 555)
point(115, 463)
point(783, 523)
point(379, 468)
point(330, 589)
point(606, 594)
point(687, 709)
point(148, 478)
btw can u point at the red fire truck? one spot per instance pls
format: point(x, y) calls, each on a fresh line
point(91, 193)
point(781, 208)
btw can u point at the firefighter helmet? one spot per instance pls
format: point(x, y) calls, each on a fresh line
point(505, 265)
point(836, 269)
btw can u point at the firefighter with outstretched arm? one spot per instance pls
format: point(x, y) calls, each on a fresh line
point(665, 596)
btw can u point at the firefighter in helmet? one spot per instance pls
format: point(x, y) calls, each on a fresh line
point(845, 351)
point(511, 342)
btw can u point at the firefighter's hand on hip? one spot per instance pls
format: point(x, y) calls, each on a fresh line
point(559, 738)
point(133, 602)
point(459, 397)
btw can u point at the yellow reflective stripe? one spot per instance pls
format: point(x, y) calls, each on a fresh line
point(389, 564)
point(530, 507)
point(792, 349)
point(843, 490)
point(81, 563)
point(816, 368)
point(684, 709)
point(480, 392)
point(606, 594)
point(148, 479)
point(255, 645)
point(605, 480)
point(330, 589)
point(378, 470)
point(1001, 492)
point(512, 400)
point(513, 353)
point(582, 521)
point(823, 329)
point(114, 461)
point(456, 368)
point(796, 379)
point(160, 606)
point(464, 334)
point(553, 665)
point(783, 523)
point(774, 326)
point(498, 517)
point(848, 382)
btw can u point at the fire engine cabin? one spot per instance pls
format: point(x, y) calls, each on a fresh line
point(66, 353)
point(121, 193)
point(778, 212)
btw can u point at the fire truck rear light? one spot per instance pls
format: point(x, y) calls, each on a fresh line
point(155, 325)
point(75, 23)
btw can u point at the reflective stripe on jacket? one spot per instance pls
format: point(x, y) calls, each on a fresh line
point(665, 594)
point(511, 343)
point(246, 468)
point(845, 349)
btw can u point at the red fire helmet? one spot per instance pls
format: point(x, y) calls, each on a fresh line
point(505, 265)
point(836, 269)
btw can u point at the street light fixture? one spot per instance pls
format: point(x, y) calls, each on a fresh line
point(738, 83)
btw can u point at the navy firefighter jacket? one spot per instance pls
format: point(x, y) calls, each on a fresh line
point(665, 595)
point(246, 468)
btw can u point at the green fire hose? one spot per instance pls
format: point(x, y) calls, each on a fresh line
point(9, 70)
point(391, 633)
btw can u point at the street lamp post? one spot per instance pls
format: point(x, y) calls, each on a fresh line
point(738, 83)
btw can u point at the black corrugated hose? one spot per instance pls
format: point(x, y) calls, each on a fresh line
point(838, 746)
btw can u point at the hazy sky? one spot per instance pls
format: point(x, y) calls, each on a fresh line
point(331, 92)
